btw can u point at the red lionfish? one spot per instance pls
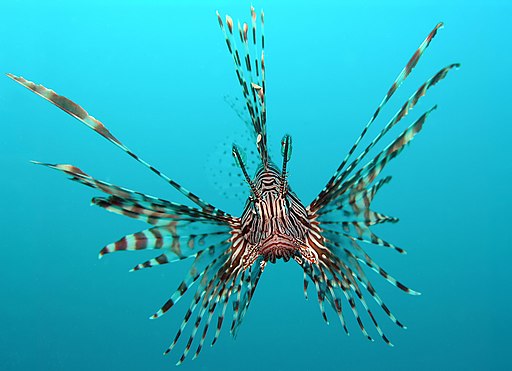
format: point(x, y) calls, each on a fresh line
point(230, 253)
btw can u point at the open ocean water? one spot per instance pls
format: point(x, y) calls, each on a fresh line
point(157, 73)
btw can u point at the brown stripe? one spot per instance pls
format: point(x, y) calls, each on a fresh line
point(121, 244)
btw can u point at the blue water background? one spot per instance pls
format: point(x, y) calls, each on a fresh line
point(156, 73)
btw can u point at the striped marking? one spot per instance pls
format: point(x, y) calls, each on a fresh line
point(250, 74)
point(402, 112)
point(80, 114)
point(396, 84)
point(230, 253)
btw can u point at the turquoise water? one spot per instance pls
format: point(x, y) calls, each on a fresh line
point(156, 74)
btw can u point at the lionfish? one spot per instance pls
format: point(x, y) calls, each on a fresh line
point(229, 252)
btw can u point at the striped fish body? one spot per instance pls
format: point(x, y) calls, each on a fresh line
point(275, 223)
point(228, 253)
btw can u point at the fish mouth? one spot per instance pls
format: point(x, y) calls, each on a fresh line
point(279, 246)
